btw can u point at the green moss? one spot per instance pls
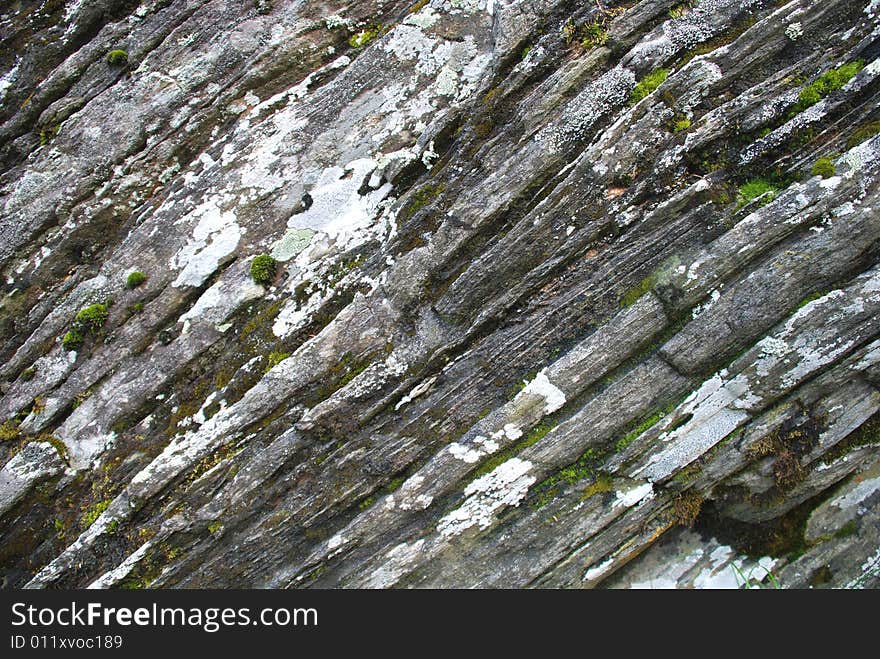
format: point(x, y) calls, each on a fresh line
point(135, 279)
point(755, 188)
point(421, 198)
point(648, 84)
point(862, 133)
point(73, 340)
point(826, 83)
point(57, 444)
point(92, 513)
point(681, 124)
point(649, 422)
point(594, 35)
point(8, 431)
point(629, 298)
point(117, 58)
point(28, 374)
point(365, 36)
point(584, 467)
point(603, 483)
point(866, 434)
point(213, 527)
point(811, 297)
point(394, 484)
point(823, 167)
point(366, 503)
point(49, 133)
point(92, 317)
point(275, 357)
point(484, 129)
point(137, 307)
point(679, 10)
point(263, 269)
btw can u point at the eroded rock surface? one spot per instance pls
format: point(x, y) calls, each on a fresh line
point(568, 294)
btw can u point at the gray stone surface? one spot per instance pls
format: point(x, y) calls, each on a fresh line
point(523, 331)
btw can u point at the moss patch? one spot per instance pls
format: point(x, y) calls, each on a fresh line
point(632, 295)
point(92, 513)
point(275, 357)
point(754, 188)
point(135, 279)
point(365, 36)
point(647, 85)
point(863, 133)
point(649, 422)
point(263, 269)
point(117, 58)
point(825, 84)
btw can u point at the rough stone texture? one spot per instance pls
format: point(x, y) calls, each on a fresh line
point(522, 332)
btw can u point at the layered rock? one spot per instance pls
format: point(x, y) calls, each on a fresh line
point(563, 297)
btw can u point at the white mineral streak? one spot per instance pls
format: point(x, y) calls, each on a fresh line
point(553, 396)
point(506, 485)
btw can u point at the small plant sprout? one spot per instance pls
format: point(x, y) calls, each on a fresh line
point(751, 582)
point(594, 35)
point(263, 269)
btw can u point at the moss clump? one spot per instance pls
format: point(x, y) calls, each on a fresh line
point(366, 503)
point(117, 58)
point(394, 484)
point(594, 35)
point(823, 167)
point(92, 317)
point(788, 470)
point(213, 527)
point(647, 85)
point(757, 187)
point(92, 513)
point(135, 279)
point(8, 431)
point(365, 36)
point(73, 340)
point(89, 319)
point(263, 269)
point(680, 125)
point(826, 83)
point(275, 357)
point(28, 374)
point(863, 133)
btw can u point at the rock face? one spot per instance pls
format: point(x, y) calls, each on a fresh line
point(566, 294)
